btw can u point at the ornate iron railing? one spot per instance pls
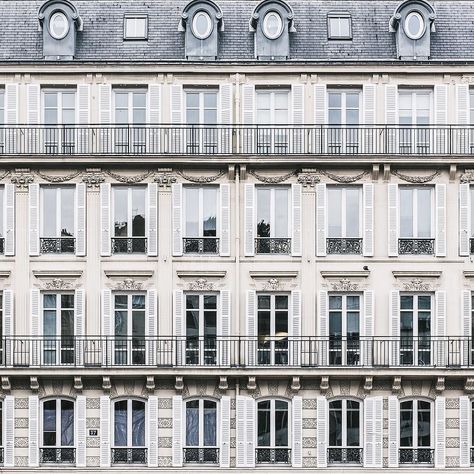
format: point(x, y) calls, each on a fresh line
point(129, 455)
point(264, 455)
point(57, 455)
point(416, 246)
point(1, 456)
point(272, 245)
point(57, 244)
point(344, 246)
point(416, 456)
point(471, 242)
point(208, 245)
point(204, 455)
point(338, 455)
point(472, 455)
point(129, 244)
point(2, 245)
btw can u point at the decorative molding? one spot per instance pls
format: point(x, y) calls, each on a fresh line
point(4, 274)
point(223, 383)
point(128, 179)
point(274, 281)
point(295, 384)
point(57, 179)
point(129, 284)
point(368, 384)
point(125, 274)
point(273, 274)
point(468, 274)
point(439, 387)
point(469, 385)
point(34, 384)
point(344, 179)
point(57, 284)
point(201, 179)
point(308, 180)
point(150, 383)
point(21, 177)
point(201, 284)
point(164, 178)
point(5, 174)
point(106, 384)
point(6, 385)
point(345, 274)
point(344, 285)
point(252, 383)
point(64, 274)
point(415, 179)
point(467, 176)
point(272, 285)
point(93, 177)
point(272, 179)
point(179, 383)
point(201, 273)
point(416, 274)
point(78, 385)
point(397, 385)
point(324, 384)
point(416, 284)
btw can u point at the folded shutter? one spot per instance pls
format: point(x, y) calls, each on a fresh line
point(176, 143)
point(391, 118)
point(240, 431)
point(179, 327)
point(33, 96)
point(369, 432)
point(151, 347)
point(464, 417)
point(224, 244)
point(368, 242)
point(11, 117)
point(392, 220)
point(105, 220)
point(80, 324)
point(441, 359)
point(177, 218)
point(466, 303)
point(35, 325)
point(107, 327)
point(81, 430)
point(81, 236)
point(249, 220)
point(9, 404)
point(295, 347)
point(297, 432)
point(251, 327)
point(394, 305)
point(321, 219)
point(441, 118)
point(368, 331)
point(8, 333)
point(177, 450)
point(152, 417)
point(378, 435)
point(104, 431)
point(33, 431)
point(223, 329)
point(84, 133)
point(298, 133)
point(320, 118)
point(441, 220)
point(154, 118)
point(248, 119)
point(462, 109)
point(368, 138)
point(464, 208)
point(9, 223)
point(322, 431)
point(250, 431)
point(105, 117)
point(225, 432)
point(225, 118)
point(440, 432)
point(152, 220)
point(393, 429)
point(296, 237)
point(34, 219)
point(323, 328)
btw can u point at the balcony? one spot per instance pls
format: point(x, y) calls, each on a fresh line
point(57, 245)
point(344, 246)
point(272, 455)
point(416, 456)
point(205, 140)
point(471, 245)
point(2, 245)
point(472, 456)
point(272, 245)
point(122, 245)
point(345, 455)
point(129, 455)
point(416, 246)
point(57, 455)
point(201, 245)
point(203, 455)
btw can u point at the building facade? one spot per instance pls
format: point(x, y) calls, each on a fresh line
point(236, 235)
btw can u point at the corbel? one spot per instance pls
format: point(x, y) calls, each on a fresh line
point(150, 383)
point(231, 172)
point(34, 384)
point(440, 384)
point(179, 383)
point(243, 172)
point(375, 172)
point(78, 385)
point(6, 385)
point(252, 383)
point(386, 172)
point(295, 384)
point(452, 172)
point(397, 385)
point(324, 384)
point(469, 385)
point(106, 383)
point(369, 383)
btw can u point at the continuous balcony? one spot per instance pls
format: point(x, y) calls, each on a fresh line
point(204, 140)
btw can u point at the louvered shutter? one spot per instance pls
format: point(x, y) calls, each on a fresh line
point(249, 220)
point(441, 220)
point(81, 431)
point(369, 432)
point(33, 95)
point(464, 445)
point(33, 431)
point(34, 219)
point(248, 119)
point(369, 98)
point(322, 431)
point(368, 196)
point(154, 118)
point(104, 431)
point(8, 318)
point(393, 423)
point(225, 118)
point(224, 245)
point(105, 117)
point(176, 143)
point(179, 327)
point(297, 432)
point(369, 321)
point(296, 348)
point(323, 328)
point(462, 118)
point(440, 432)
point(9, 223)
point(83, 118)
point(152, 217)
point(177, 450)
point(320, 118)
point(152, 417)
point(240, 431)
point(394, 305)
point(11, 117)
point(80, 324)
point(105, 220)
point(298, 133)
point(296, 237)
point(464, 208)
point(152, 326)
point(321, 219)
point(392, 220)
point(250, 431)
point(441, 117)
point(225, 432)
point(35, 325)
point(223, 328)
point(251, 327)
point(107, 327)
point(81, 236)
point(466, 309)
point(177, 218)
point(378, 435)
point(9, 433)
point(391, 118)
point(440, 297)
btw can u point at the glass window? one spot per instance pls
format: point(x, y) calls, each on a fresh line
point(344, 107)
point(471, 206)
point(416, 212)
point(58, 423)
point(414, 107)
point(136, 27)
point(59, 106)
point(414, 25)
point(272, 107)
point(58, 211)
point(272, 424)
point(344, 211)
point(129, 424)
point(201, 107)
point(339, 26)
point(58, 25)
point(415, 424)
point(344, 423)
point(202, 25)
point(272, 212)
point(2, 211)
point(201, 423)
point(130, 106)
point(272, 25)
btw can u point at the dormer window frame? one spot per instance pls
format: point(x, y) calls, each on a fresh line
point(210, 25)
point(135, 16)
point(422, 20)
point(339, 15)
point(58, 13)
point(265, 29)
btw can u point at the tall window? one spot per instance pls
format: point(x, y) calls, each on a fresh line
point(58, 432)
point(129, 314)
point(201, 329)
point(2, 348)
point(344, 329)
point(273, 220)
point(343, 119)
point(344, 432)
point(415, 432)
point(201, 432)
point(57, 219)
point(2, 120)
point(272, 435)
point(201, 204)
point(58, 328)
point(471, 201)
point(2, 217)
point(129, 204)
point(415, 329)
point(272, 327)
point(129, 432)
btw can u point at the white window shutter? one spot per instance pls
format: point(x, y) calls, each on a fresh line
point(464, 212)
point(378, 435)
point(9, 223)
point(441, 104)
point(249, 220)
point(297, 432)
point(250, 430)
point(368, 197)
point(80, 324)
point(440, 297)
point(393, 224)
point(81, 236)
point(152, 220)
point(107, 326)
point(33, 96)
point(223, 328)
point(296, 237)
point(321, 431)
point(225, 117)
point(105, 431)
point(105, 117)
point(393, 431)
point(323, 327)
point(225, 432)
point(440, 432)
point(34, 218)
point(177, 218)
point(369, 432)
point(154, 118)
point(177, 117)
point(391, 104)
point(295, 347)
point(179, 326)
point(152, 424)
point(321, 219)
point(441, 220)
point(9, 433)
point(466, 310)
point(248, 118)
point(297, 133)
point(251, 326)
point(394, 305)
point(81, 431)
point(368, 330)
point(151, 347)
point(369, 97)
point(240, 431)
point(35, 321)
point(320, 118)
point(464, 425)
point(177, 450)
point(462, 104)
point(105, 220)
point(11, 104)
point(224, 245)
point(8, 319)
point(33, 431)
point(83, 117)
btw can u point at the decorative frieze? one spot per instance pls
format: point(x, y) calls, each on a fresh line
point(344, 285)
point(467, 176)
point(201, 284)
point(21, 178)
point(201, 179)
point(271, 179)
point(416, 179)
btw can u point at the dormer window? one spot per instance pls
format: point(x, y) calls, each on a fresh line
point(272, 25)
point(135, 27)
point(58, 25)
point(202, 25)
point(414, 25)
point(339, 26)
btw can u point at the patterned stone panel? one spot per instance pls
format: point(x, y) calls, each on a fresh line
point(21, 403)
point(233, 462)
point(385, 423)
point(385, 462)
point(165, 403)
point(21, 422)
point(21, 461)
point(93, 461)
point(309, 403)
point(165, 442)
point(93, 422)
point(233, 442)
point(452, 423)
point(93, 442)
point(452, 442)
point(232, 403)
point(232, 423)
point(165, 422)
point(309, 423)
point(452, 403)
point(385, 403)
point(164, 461)
point(309, 442)
point(385, 442)
point(21, 442)
point(92, 403)
point(309, 462)
point(452, 461)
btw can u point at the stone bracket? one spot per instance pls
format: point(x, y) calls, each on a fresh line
point(150, 383)
point(179, 383)
point(6, 385)
point(397, 385)
point(439, 387)
point(78, 383)
point(106, 384)
point(34, 384)
point(324, 384)
point(368, 384)
point(223, 383)
point(252, 383)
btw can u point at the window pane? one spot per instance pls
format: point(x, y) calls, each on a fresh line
point(281, 426)
point(49, 212)
point(67, 212)
point(120, 211)
point(335, 427)
point(263, 212)
point(138, 211)
point(424, 427)
point(120, 425)
point(210, 423)
point(1, 208)
point(138, 423)
point(424, 213)
point(352, 212)
point(353, 427)
point(334, 197)
point(263, 424)
point(49, 423)
point(192, 211)
point(209, 211)
point(281, 212)
point(406, 426)
point(67, 423)
point(192, 423)
point(406, 213)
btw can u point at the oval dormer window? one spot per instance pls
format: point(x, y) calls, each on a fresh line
point(414, 25)
point(272, 25)
point(202, 25)
point(58, 25)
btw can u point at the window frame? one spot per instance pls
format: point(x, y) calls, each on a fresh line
point(59, 92)
point(130, 91)
point(414, 430)
point(3, 213)
point(414, 93)
point(344, 410)
point(129, 401)
point(200, 91)
point(414, 210)
point(343, 108)
point(210, 25)
point(58, 189)
point(339, 16)
point(50, 21)
point(201, 422)
point(421, 31)
point(135, 16)
point(272, 92)
point(58, 401)
point(273, 401)
point(265, 20)
point(129, 188)
point(273, 219)
point(343, 215)
point(200, 216)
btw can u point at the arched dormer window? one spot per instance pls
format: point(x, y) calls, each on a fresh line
point(412, 23)
point(201, 21)
point(271, 23)
point(59, 20)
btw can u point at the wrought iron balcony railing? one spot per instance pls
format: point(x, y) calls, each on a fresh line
point(1, 456)
point(264, 455)
point(272, 245)
point(205, 245)
point(344, 246)
point(471, 242)
point(416, 246)
point(129, 455)
point(2, 245)
point(57, 455)
point(338, 455)
point(416, 456)
point(166, 139)
point(58, 244)
point(129, 245)
point(472, 456)
point(203, 455)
